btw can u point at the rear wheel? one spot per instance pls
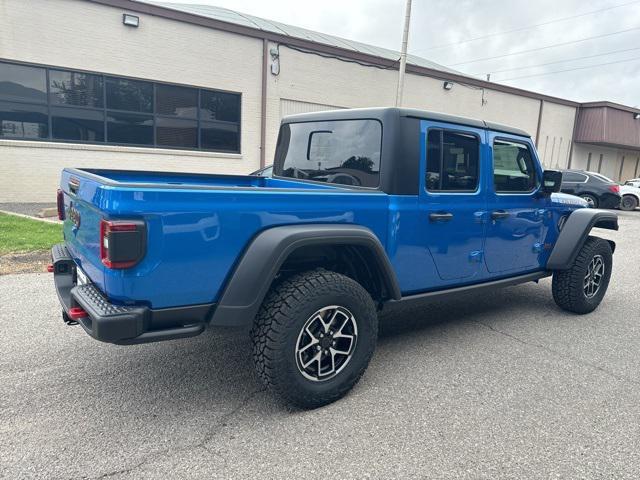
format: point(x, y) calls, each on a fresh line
point(581, 288)
point(628, 203)
point(590, 199)
point(314, 336)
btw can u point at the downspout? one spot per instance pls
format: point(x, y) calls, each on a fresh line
point(539, 122)
point(573, 137)
point(263, 103)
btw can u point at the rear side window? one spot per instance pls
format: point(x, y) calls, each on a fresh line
point(572, 177)
point(513, 167)
point(345, 152)
point(452, 161)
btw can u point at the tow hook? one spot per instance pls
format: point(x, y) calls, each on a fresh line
point(68, 320)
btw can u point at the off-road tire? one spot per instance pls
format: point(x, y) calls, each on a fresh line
point(568, 285)
point(283, 314)
point(628, 203)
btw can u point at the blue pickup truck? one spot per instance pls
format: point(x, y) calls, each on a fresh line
point(366, 209)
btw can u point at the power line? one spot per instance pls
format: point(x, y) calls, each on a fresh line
point(528, 27)
point(571, 69)
point(545, 47)
point(560, 61)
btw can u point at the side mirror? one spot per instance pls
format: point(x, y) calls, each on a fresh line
point(551, 181)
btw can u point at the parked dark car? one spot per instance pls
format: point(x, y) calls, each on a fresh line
point(598, 190)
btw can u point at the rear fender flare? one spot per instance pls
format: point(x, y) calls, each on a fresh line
point(251, 279)
point(575, 232)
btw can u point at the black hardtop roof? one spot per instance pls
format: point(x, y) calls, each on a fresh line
point(382, 113)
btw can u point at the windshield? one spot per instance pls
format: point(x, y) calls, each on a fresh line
point(599, 176)
point(345, 152)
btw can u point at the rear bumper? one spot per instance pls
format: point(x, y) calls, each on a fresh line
point(609, 201)
point(122, 324)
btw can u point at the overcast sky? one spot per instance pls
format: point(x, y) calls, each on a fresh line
point(443, 22)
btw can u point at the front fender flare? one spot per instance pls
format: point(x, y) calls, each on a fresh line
point(249, 282)
point(574, 233)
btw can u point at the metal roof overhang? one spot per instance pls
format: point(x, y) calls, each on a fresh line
point(608, 124)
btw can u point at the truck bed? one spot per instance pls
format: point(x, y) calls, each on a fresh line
point(197, 225)
point(172, 180)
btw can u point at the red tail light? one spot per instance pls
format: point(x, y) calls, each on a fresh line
point(122, 243)
point(60, 202)
point(614, 188)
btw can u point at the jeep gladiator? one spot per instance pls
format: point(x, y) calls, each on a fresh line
point(366, 209)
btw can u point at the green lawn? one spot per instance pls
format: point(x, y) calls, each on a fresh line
point(19, 234)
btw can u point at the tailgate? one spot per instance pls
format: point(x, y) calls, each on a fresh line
point(82, 224)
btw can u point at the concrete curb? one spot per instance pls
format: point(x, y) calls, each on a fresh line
point(46, 220)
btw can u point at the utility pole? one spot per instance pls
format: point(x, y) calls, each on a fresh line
point(403, 54)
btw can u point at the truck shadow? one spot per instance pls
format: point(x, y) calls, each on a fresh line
point(214, 371)
point(419, 317)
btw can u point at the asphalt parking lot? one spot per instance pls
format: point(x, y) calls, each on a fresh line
point(496, 386)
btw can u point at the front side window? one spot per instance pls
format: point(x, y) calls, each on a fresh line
point(514, 170)
point(452, 161)
point(345, 152)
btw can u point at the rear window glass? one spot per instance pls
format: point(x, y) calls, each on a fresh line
point(600, 177)
point(573, 177)
point(345, 152)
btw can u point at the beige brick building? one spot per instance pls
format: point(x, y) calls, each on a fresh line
point(73, 78)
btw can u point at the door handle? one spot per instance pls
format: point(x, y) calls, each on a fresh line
point(499, 214)
point(440, 217)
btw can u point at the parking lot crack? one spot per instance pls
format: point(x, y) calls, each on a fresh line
point(565, 356)
point(222, 422)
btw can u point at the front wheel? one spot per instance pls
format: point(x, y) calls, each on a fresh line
point(314, 336)
point(581, 288)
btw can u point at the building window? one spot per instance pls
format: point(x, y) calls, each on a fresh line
point(177, 101)
point(129, 129)
point(77, 124)
point(20, 120)
point(74, 88)
point(20, 83)
point(129, 95)
point(39, 103)
point(176, 132)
